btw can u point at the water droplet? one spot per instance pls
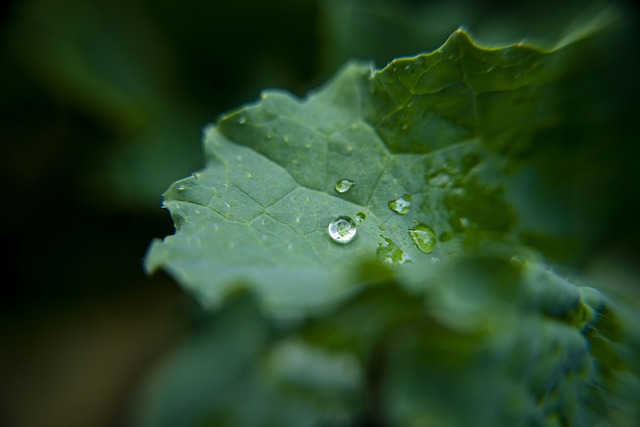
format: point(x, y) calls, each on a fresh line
point(361, 216)
point(391, 253)
point(242, 120)
point(424, 237)
point(344, 185)
point(401, 205)
point(440, 179)
point(342, 229)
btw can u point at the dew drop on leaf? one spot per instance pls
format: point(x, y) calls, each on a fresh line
point(401, 205)
point(440, 179)
point(242, 120)
point(390, 253)
point(342, 229)
point(424, 237)
point(344, 185)
point(361, 216)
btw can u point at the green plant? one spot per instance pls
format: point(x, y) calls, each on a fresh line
point(441, 309)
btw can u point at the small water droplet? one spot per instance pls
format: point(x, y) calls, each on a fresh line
point(405, 126)
point(464, 222)
point(242, 120)
point(181, 188)
point(344, 185)
point(439, 179)
point(401, 205)
point(391, 253)
point(248, 175)
point(424, 237)
point(342, 229)
point(361, 216)
point(285, 139)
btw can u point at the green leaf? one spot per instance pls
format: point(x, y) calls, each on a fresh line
point(482, 341)
point(234, 362)
point(441, 128)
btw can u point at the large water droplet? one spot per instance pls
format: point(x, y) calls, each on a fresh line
point(344, 185)
point(342, 229)
point(390, 253)
point(424, 237)
point(401, 205)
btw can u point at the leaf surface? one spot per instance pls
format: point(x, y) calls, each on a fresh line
point(441, 128)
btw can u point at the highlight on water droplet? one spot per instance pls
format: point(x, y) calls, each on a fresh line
point(424, 237)
point(342, 229)
point(344, 185)
point(401, 205)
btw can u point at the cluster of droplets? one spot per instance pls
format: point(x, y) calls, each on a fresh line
point(343, 229)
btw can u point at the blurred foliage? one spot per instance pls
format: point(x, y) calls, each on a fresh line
point(102, 105)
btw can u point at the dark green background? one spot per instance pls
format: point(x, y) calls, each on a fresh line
point(101, 108)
